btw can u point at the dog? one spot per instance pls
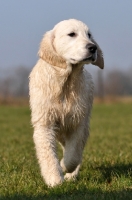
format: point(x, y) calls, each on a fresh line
point(61, 97)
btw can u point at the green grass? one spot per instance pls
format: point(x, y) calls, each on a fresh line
point(106, 172)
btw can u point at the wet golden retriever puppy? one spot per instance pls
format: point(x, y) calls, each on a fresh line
point(61, 96)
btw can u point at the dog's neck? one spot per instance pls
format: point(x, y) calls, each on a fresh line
point(71, 69)
point(62, 81)
point(70, 75)
point(70, 79)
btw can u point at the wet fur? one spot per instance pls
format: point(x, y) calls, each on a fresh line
point(61, 97)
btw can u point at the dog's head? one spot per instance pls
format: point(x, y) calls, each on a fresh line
point(70, 41)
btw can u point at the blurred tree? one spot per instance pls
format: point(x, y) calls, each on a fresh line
point(21, 82)
point(118, 83)
point(14, 82)
point(100, 85)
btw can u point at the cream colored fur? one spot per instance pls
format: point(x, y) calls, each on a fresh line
point(61, 96)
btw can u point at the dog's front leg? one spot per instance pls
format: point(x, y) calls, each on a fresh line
point(44, 139)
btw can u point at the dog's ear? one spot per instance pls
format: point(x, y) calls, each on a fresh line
point(100, 59)
point(48, 53)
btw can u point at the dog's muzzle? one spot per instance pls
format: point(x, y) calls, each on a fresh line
point(92, 48)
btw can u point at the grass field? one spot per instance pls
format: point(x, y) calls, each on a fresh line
point(106, 172)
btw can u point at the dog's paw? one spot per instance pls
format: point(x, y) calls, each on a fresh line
point(54, 181)
point(70, 176)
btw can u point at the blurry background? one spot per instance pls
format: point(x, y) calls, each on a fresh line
point(106, 171)
point(23, 23)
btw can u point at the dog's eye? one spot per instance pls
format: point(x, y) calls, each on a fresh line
point(89, 35)
point(72, 34)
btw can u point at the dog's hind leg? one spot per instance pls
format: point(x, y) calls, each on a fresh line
point(73, 150)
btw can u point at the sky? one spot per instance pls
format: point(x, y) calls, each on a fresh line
point(23, 23)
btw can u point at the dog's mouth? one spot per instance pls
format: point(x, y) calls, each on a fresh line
point(91, 58)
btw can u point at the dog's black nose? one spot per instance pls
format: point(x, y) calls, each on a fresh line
point(92, 48)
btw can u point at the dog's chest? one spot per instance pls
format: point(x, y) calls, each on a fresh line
point(70, 110)
point(68, 106)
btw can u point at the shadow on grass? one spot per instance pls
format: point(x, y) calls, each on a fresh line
point(83, 194)
point(117, 170)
